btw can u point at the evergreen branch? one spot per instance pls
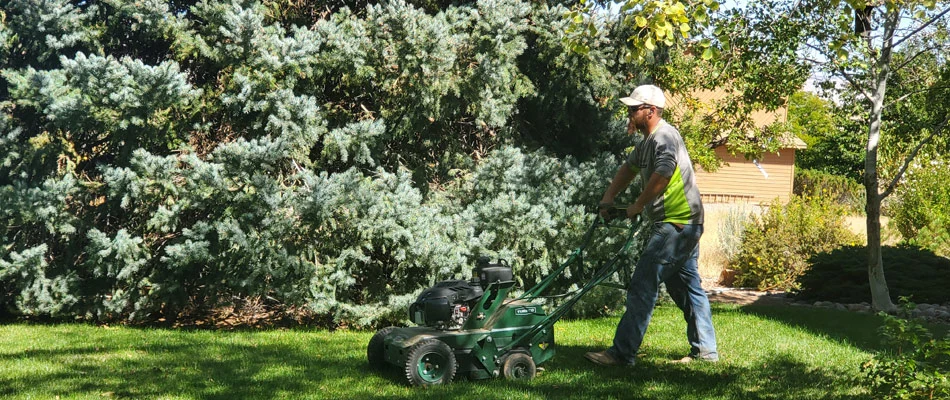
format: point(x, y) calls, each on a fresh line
point(300, 170)
point(910, 157)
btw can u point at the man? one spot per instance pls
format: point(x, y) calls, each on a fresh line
point(670, 200)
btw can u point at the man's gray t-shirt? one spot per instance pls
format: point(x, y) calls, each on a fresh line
point(664, 153)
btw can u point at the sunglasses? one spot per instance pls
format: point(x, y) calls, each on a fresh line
point(633, 110)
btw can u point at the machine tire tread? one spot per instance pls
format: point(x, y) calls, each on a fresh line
point(434, 347)
point(519, 366)
point(375, 351)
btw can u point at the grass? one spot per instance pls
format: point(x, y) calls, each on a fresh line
point(768, 352)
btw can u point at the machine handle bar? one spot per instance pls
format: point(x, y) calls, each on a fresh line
point(606, 270)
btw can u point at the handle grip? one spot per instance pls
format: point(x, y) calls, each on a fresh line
point(615, 211)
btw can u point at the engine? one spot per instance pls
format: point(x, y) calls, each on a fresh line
point(448, 304)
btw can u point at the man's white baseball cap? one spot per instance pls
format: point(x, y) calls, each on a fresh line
point(645, 94)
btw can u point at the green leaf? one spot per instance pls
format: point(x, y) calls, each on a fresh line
point(842, 54)
point(676, 8)
point(708, 54)
point(699, 16)
point(641, 22)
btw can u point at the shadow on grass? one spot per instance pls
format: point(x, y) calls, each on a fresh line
point(854, 328)
point(188, 366)
point(148, 363)
point(570, 376)
point(859, 330)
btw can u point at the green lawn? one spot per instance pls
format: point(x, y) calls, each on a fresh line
point(768, 352)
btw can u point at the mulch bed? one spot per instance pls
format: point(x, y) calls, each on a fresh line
point(746, 297)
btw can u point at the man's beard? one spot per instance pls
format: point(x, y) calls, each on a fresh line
point(642, 127)
point(634, 127)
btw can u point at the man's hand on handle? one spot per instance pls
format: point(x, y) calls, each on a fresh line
point(633, 210)
point(611, 211)
point(604, 209)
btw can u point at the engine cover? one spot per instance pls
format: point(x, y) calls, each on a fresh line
point(487, 273)
point(445, 305)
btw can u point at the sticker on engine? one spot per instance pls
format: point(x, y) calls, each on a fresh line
point(525, 311)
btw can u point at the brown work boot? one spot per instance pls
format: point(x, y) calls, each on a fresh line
point(603, 358)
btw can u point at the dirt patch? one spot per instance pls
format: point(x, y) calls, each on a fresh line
point(746, 297)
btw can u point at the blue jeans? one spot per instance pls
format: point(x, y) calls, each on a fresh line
point(670, 256)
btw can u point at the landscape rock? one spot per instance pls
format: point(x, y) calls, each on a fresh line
point(858, 307)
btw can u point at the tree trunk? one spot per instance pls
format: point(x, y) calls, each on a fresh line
point(880, 295)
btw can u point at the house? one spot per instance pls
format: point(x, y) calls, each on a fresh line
point(749, 181)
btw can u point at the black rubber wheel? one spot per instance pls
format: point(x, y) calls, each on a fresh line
point(375, 350)
point(430, 362)
point(519, 366)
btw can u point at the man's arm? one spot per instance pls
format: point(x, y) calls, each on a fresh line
point(654, 187)
point(621, 180)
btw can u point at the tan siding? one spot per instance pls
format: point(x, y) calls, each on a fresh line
point(740, 180)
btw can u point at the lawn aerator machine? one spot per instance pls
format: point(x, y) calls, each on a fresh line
point(473, 328)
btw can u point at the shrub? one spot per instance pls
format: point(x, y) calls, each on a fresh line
point(841, 275)
point(921, 211)
point(935, 235)
point(599, 302)
point(224, 155)
point(913, 366)
point(776, 245)
point(840, 189)
point(731, 228)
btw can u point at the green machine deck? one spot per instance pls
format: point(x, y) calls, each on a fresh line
point(490, 335)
